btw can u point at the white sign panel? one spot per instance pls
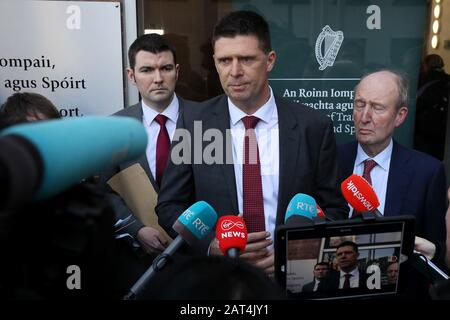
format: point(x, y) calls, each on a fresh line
point(70, 52)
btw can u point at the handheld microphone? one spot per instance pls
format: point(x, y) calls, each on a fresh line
point(301, 210)
point(231, 232)
point(320, 213)
point(360, 195)
point(192, 225)
point(43, 158)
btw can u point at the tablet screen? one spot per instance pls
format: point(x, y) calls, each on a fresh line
point(343, 260)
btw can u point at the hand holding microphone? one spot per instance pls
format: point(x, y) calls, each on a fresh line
point(360, 195)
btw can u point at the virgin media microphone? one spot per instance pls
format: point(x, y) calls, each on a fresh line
point(231, 232)
point(360, 195)
point(192, 225)
point(41, 159)
point(301, 210)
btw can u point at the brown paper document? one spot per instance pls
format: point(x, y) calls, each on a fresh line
point(135, 188)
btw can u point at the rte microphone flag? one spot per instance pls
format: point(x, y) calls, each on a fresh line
point(301, 209)
point(192, 225)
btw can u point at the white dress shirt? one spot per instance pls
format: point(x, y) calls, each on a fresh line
point(379, 174)
point(267, 136)
point(354, 279)
point(152, 127)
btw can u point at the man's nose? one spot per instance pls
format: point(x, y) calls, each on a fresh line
point(236, 68)
point(158, 77)
point(366, 114)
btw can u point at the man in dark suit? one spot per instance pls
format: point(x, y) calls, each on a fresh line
point(288, 148)
point(349, 276)
point(320, 273)
point(406, 182)
point(154, 71)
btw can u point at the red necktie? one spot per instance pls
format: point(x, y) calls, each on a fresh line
point(251, 179)
point(369, 164)
point(346, 281)
point(162, 147)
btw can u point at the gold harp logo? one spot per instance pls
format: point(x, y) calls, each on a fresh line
point(331, 42)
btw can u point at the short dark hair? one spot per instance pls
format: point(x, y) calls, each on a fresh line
point(151, 42)
point(246, 23)
point(348, 244)
point(22, 105)
point(322, 264)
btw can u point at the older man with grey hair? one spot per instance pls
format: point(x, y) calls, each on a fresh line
point(407, 182)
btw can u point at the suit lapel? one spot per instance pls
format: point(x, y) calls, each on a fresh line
point(289, 143)
point(135, 111)
point(222, 122)
point(398, 180)
point(349, 157)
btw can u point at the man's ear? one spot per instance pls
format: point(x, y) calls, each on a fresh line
point(401, 116)
point(130, 75)
point(271, 57)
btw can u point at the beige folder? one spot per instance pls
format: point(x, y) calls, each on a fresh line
point(135, 188)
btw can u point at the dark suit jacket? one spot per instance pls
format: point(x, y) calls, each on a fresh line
point(307, 165)
point(309, 287)
point(416, 186)
point(332, 282)
point(122, 211)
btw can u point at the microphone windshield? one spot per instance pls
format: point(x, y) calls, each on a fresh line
point(231, 232)
point(320, 212)
point(195, 222)
point(359, 194)
point(301, 205)
point(74, 149)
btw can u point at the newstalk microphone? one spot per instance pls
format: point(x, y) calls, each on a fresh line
point(41, 159)
point(192, 225)
point(231, 232)
point(360, 195)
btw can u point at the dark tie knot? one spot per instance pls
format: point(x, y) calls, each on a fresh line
point(250, 122)
point(348, 275)
point(161, 119)
point(369, 164)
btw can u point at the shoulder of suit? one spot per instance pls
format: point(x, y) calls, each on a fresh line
point(130, 111)
point(418, 158)
point(348, 147)
point(201, 110)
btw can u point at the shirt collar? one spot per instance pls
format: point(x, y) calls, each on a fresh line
point(171, 112)
point(264, 113)
point(354, 273)
point(382, 159)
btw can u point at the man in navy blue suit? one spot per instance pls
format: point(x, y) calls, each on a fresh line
point(407, 182)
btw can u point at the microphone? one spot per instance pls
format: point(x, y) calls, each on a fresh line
point(43, 158)
point(360, 195)
point(192, 225)
point(231, 232)
point(301, 210)
point(320, 213)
